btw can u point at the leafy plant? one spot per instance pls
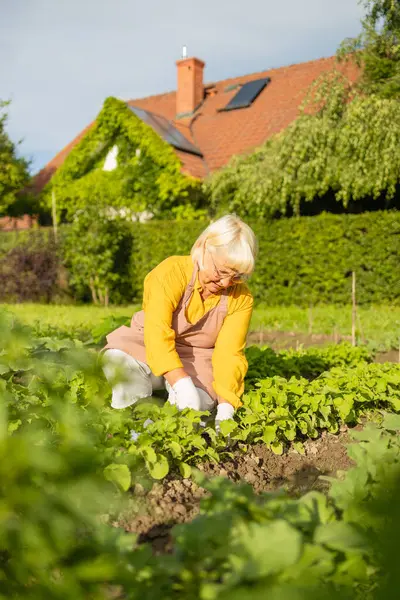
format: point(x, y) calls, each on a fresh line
point(65, 457)
point(264, 362)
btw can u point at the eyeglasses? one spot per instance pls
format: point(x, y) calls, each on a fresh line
point(233, 278)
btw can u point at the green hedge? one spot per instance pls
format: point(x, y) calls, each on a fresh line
point(301, 260)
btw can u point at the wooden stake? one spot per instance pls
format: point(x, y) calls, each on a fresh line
point(354, 310)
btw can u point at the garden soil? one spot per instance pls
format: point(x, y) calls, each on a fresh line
point(174, 501)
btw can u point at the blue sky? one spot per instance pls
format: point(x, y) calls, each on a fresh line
point(62, 58)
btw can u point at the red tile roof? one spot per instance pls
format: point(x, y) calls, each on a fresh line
point(220, 135)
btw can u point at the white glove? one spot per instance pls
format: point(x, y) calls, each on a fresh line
point(184, 394)
point(225, 411)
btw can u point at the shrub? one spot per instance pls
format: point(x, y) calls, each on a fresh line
point(301, 260)
point(29, 272)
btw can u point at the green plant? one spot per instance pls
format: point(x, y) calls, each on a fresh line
point(94, 251)
point(264, 362)
point(65, 456)
point(151, 181)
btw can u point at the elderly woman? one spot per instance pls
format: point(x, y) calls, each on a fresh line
point(190, 336)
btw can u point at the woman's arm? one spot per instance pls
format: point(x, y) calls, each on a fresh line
point(229, 361)
point(163, 289)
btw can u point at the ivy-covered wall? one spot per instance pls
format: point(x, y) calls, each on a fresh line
point(147, 181)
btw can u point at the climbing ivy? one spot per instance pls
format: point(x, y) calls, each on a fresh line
point(149, 180)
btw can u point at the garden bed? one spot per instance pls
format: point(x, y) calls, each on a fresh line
point(153, 513)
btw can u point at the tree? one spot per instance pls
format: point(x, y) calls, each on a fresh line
point(377, 48)
point(14, 174)
point(95, 251)
point(341, 153)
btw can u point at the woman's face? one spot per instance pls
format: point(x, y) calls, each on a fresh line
point(216, 276)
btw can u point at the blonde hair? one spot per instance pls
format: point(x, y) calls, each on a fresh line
point(232, 241)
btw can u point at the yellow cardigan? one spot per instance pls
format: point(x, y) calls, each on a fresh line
point(163, 289)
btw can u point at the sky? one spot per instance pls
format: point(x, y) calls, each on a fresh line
point(59, 59)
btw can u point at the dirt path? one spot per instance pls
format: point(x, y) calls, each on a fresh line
point(283, 340)
point(177, 501)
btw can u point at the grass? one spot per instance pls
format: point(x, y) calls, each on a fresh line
point(379, 325)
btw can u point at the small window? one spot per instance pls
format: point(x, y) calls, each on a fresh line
point(247, 94)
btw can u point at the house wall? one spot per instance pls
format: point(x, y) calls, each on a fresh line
point(17, 223)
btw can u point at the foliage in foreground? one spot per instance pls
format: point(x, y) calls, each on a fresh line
point(245, 545)
point(56, 541)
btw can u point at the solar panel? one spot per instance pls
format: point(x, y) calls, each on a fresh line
point(247, 94)
point(168, 132)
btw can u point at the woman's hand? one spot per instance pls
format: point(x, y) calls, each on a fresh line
point(184, 394)
point(225, 411)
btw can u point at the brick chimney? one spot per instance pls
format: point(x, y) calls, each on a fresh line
point(190, 90)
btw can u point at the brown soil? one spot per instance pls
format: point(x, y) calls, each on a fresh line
point(283, 340)
point(390, 356)
point(177, 501)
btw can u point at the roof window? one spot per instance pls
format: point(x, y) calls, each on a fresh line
point(247, 94)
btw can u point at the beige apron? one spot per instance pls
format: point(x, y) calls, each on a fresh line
point(194, 343)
